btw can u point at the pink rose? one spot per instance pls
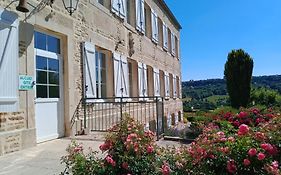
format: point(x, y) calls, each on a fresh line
point(261, 156)
point(149, 149)
point(231, 167)
point(125, 165)
point(242, 114)
point(275, 164)
point(252, 152)
point(165, 169)
point(246, 162)
point(255, 111)
point(231, 139)
point(110, 160)
point(243, 129)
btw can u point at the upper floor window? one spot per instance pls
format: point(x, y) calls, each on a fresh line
point(154, 22)
point(140, 16)
point(173, 44)
point(118, 7)
point(101, 2)
point(165, 36)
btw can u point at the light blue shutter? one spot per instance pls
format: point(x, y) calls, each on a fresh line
point(140, 16)
point(156, 82)
point(173, 46)
point(115, 6)
point(165, 36)
point(154, 22)
point(122, 10)
point(167, 84)
point(90, 70)
point(9, 58)
point(117, 74)
point(140, 79)
point(125, 76)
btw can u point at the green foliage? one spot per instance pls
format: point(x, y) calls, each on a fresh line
point(238, 75)
point(264, 96)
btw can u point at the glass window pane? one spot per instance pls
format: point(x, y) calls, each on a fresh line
point(41, 77)
point(41, 63)
point(40, 40)
point(53, 65)
point(102, 60)
point(97, 75)
point(103, 76)
point(97, 59)
point(53, 44)
point(103, 90)
point(53, 78)
point(54, 92)
point(41, 91)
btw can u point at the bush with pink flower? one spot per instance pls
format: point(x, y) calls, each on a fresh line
point(223, 148)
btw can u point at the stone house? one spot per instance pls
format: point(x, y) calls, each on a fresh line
point(53, 65)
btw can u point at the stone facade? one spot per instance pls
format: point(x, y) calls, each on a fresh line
point(96, 24)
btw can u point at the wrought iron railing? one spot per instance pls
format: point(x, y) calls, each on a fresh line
point(100, 114)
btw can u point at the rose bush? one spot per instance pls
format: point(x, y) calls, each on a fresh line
point(224, 147)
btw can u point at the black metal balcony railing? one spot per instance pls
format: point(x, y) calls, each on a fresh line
point(101, 114)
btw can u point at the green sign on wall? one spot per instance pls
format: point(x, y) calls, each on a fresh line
point(25, 82)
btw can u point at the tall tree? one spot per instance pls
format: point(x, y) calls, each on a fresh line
point(238, 74)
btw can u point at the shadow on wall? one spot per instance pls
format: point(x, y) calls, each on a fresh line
point(26, 33)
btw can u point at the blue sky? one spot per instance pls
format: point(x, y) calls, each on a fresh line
point(212, 28)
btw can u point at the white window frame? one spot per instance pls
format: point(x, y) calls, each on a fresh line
point(140, 16)
point(165, 37)
point(118, 10)
point(167, 85)
point(173, 47)
point(154, 26)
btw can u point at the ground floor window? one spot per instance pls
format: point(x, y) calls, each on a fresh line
point(100, 74)
point(47, 61)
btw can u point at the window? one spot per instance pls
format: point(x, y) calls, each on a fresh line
point(9, 61)
point(154, 22)
point(142, 77)
point(160, 32)
point(156, 82)
point(131, 16)
point(175, 85)
point(167, 85)
point(178, 87)
point(165, 37)
point(121, 78)
point(140, 16)
point(47, 65)
point(101, 2)
point(173, 44)
point(130, 73)
point(100, 74)
point(118, 7)
point(150, 81)
point(177, 47)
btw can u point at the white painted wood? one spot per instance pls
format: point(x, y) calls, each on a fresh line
point(9, 63)
point(154, 22)
point(49, 116)
point(156, 81)
point(167, 85)
point(175, 85)
point(140, 16)
point(90, 70)
point(165, 36)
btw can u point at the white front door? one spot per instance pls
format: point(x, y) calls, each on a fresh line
point(49, 84)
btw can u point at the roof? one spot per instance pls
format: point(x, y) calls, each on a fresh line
point(171, 16)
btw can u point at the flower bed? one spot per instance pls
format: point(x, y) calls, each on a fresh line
point(224, 147)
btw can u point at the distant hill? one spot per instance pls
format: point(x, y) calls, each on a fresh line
point(214, 90)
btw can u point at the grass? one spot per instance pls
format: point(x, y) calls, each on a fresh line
point(215, 98)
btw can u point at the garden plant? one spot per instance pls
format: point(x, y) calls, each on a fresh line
point(247, 142)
